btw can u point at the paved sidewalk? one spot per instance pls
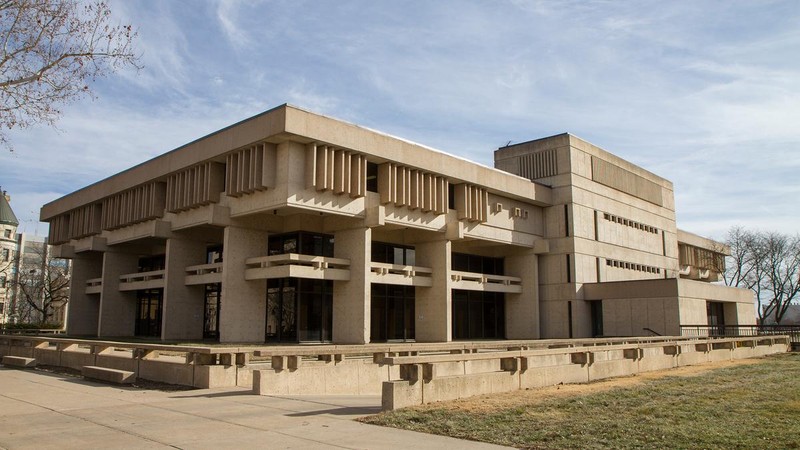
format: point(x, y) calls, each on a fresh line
point(41, 410)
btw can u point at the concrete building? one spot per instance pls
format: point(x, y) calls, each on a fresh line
point(8, 249)
point(291, 226)
point(29, 274)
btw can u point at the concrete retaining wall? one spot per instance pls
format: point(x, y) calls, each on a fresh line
point(423, 382)
point(405, 374)
point(201, 367)
point(345, 377)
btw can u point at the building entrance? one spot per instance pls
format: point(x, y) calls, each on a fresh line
point(148, 312)
point(299, 310)
point(478, 315)
point(716, 318)
point(597, 317)
point(392, 313)
point(211, 311)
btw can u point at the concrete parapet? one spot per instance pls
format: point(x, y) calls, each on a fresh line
point(431, 378)
point(345, 377)
point(474, 367)
point(202, 367)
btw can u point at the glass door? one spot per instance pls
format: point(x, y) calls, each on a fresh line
point(211, 311)
point(148, 312)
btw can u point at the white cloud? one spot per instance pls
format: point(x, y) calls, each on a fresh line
point(162, 44)
point(228, 16)
point(701, 95)
point(302, 95)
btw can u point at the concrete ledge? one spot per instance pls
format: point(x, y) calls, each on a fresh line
point(110, 375)
point(430, 378)
point(19, 361)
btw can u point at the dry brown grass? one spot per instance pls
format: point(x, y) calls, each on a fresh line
point(751, 403)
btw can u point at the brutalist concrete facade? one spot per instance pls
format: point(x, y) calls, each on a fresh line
point(291, 226)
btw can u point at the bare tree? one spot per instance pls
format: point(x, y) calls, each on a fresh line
point(738, 269)
point(41, 285)
point(51, 50)
point(782, 273)
point(767, 263)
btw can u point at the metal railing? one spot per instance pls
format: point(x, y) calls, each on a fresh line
point(30, 331)
point(793, 331)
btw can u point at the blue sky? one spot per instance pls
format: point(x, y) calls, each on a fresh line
point(705, 94)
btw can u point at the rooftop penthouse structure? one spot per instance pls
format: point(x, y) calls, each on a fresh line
point(292, 226)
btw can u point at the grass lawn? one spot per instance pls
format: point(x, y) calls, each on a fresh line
point(752, 404)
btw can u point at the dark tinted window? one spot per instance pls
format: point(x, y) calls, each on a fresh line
point(479, 264)
point(393, 253)
point(302, 242)
point(372, 177)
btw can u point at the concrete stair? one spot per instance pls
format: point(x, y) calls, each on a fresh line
point(109, 375)
point(19, 361)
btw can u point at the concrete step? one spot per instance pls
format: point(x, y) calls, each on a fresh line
point(19, 361)
point(109, 375)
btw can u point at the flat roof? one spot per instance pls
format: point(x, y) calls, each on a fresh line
point(284, 122)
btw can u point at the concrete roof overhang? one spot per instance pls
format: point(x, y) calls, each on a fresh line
point(288, 122)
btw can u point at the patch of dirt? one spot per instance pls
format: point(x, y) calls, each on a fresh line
point(159, 386)
point(59, 370)
point(492, 402)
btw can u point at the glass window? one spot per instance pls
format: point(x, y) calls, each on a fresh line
point(393, 253)
point(211, 311)
point(392, 313)
point(478, 264)
point(148, 317)
point(151, 263)
point(399, 255)
point(214, 254)
point(451, 196)
point(459, 261)
point(372, 177)
point(411, 257)
point(299, 310)
point(597, 318)
point(289, 245)
point(379, 252)
point(301, 242)
point(478, 315)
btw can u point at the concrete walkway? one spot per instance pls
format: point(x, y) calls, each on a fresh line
point(41, 410)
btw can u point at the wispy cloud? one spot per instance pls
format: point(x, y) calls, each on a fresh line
point(702, 95)
point(228, 16)
point(162, 44)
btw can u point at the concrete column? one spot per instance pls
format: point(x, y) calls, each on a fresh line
point(182, 310)
point(84, 309)
point(117, 309)
point(243, 308)
point(522, 310)
point(434, 322)
point(351, 299)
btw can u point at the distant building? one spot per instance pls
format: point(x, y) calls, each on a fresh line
point(8, 251)
point(291, 226)
point(28, 273)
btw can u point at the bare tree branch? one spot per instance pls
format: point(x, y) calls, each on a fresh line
point(51, 51)
point(768, 263)
point(41, 285)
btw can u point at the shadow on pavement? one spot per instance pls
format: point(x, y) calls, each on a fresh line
point(341, 411)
